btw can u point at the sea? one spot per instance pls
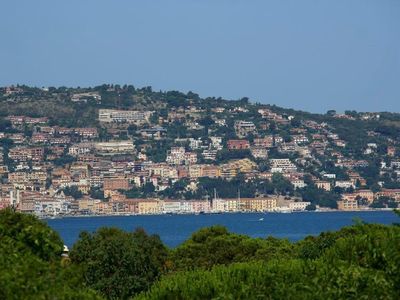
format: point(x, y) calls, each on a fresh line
point(175, 229)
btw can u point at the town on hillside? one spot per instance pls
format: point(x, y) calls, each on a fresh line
point(115, 149)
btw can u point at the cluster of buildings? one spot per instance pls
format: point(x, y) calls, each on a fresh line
point(54, 204)
point(46, 162)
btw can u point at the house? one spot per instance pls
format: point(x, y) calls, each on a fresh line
point(324, 185)
point(259, 152)
point(243, 128)
point(366, 194)
point(300, 139)
point(266, 142)
point(238, 144)
point(216, 142)
point(391, 193)
point(87, 132)
point(298, 183)
point(84, 97)
point(391, 151)
point(155, 132)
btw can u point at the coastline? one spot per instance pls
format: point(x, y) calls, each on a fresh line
point(216, 213)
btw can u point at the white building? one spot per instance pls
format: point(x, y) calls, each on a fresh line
point(298, 206)
point(282, 165)
point(210, 154)
point(243, 128)
point(171, 207)
point(115, 147)
point(218, 205)
point(345, 184)
point(124, 116)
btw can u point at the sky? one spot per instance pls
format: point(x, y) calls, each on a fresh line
point(312, 55)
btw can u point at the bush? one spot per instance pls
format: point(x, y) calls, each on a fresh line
point(358, 262)
point(215, 246)
point(282, 279)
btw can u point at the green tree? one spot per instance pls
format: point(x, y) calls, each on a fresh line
point(73, 191)
point(30, 262)
point(215, 246)
point(119, 264)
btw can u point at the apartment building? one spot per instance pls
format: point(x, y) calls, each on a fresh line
point(210, 171)
point(348, 204)
point(178, 156)
point(257, 204)
point(298, 206)
point(117, 183)
point(26, 154)
point(124, 116)
point(282, 165)
point(243, 128)
point(266, 142)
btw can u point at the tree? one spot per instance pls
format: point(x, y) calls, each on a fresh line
point(311, 207)
point(119, 264)
point(215, 245)
point(357, 262)
point(331, 112)
point(281, 184)
point(73, 191)
point(30, 262)
point(30, 234)
point(148, 188)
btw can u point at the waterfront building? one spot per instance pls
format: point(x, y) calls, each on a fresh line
point(150, 207)
point(348, 204)
point(298, 206)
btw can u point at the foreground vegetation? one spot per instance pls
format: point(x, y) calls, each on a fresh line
point(358, 262)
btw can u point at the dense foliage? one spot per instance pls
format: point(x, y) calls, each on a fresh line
point(119, 264)
point(357, 262)
point(30, 262)
point(215, 245)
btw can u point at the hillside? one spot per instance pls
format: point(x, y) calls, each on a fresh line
point(172, 145)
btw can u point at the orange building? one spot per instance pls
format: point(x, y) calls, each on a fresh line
point(116, 184)
point(238, 144)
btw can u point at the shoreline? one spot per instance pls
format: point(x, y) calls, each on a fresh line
point(218, 213)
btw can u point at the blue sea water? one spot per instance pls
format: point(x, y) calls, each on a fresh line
point(175, 229)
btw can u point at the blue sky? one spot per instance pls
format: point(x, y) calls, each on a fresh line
point(310, 55)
